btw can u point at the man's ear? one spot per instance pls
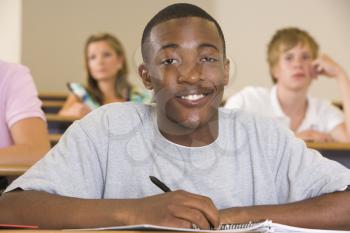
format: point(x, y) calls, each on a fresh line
point(146, 78)
point(275, 72)
point(226, 71)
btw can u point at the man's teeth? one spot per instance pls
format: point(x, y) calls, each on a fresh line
point(192, 97)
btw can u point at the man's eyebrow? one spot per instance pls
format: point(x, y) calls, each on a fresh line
point(204, 45)
point(171, 45)
point(174, 46)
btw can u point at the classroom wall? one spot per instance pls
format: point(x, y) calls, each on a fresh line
point(54, 32)
point(250, 24)
point(10, 28)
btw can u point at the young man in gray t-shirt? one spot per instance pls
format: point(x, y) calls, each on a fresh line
point(224, 166)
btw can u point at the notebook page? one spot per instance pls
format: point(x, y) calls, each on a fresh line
point(264, 226)
point(261, 226)
point(276, 227)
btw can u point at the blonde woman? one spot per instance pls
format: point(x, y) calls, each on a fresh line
point(107, 75)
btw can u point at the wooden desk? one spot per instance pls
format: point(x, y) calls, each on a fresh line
point(329, 146)
point(13, 170)
point(339, 152)
point(58, 124)
point(54, 138)
point(58, 118)
point(52, 106)
point(53, 103)
point(53, 96)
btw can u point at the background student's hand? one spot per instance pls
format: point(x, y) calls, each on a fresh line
point(324, 65)
point(175, 209)
point(314, 136)
point(77, 109)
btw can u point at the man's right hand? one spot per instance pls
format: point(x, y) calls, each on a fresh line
point(175, 209)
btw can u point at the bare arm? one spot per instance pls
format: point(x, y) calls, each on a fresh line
point(342, 132)
point(73, 107)
point(326, 66)
point(178, 209)
point(330, 211)
point(314, 136)
point(31, 142)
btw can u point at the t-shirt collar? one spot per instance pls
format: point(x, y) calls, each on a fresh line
point(174, 149)
point(276, 107)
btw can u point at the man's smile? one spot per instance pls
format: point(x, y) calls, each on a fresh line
point(194, 97)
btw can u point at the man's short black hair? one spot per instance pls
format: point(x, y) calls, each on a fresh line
point(174, 11)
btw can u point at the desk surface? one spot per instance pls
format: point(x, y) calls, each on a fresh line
point(48, 95)
point(328, 146)
point(58, 118)
point(13, 170)
point(55, 137)
point(52, 103)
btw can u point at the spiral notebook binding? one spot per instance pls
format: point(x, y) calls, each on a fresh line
point(243, 226)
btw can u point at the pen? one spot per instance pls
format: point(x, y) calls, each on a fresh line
point(160, 184)
point(166, 189)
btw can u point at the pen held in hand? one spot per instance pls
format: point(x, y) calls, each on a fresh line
point(160, 184)
point(166, 189)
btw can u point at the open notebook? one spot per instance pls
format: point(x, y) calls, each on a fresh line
point(261, 226)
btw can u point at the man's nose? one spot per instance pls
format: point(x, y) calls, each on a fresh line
point(297, 63)
point(190, 73)
point(300, 62)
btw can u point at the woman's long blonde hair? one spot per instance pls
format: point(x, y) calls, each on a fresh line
point(122, 86)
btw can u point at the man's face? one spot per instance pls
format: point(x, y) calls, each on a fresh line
point(294, 69)
point(187, 71)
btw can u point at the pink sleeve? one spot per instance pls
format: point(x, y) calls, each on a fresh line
point(21, 97)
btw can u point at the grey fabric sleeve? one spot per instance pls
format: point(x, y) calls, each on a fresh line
point(302, 173)
point(71, 168)
point(235, 101)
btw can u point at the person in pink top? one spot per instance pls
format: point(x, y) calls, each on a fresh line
point(23, 131)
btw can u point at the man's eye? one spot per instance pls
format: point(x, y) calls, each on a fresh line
point(306, 57)
point(208, 59)
point(169, 61)
point(288, 58)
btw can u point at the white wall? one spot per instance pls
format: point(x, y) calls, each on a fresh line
point(54, 32)
point(10, 28)
point(250, 24)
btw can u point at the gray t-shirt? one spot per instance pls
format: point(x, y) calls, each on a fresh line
point(112, 152)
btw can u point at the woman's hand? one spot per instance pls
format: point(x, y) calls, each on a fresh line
point(76, 109)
